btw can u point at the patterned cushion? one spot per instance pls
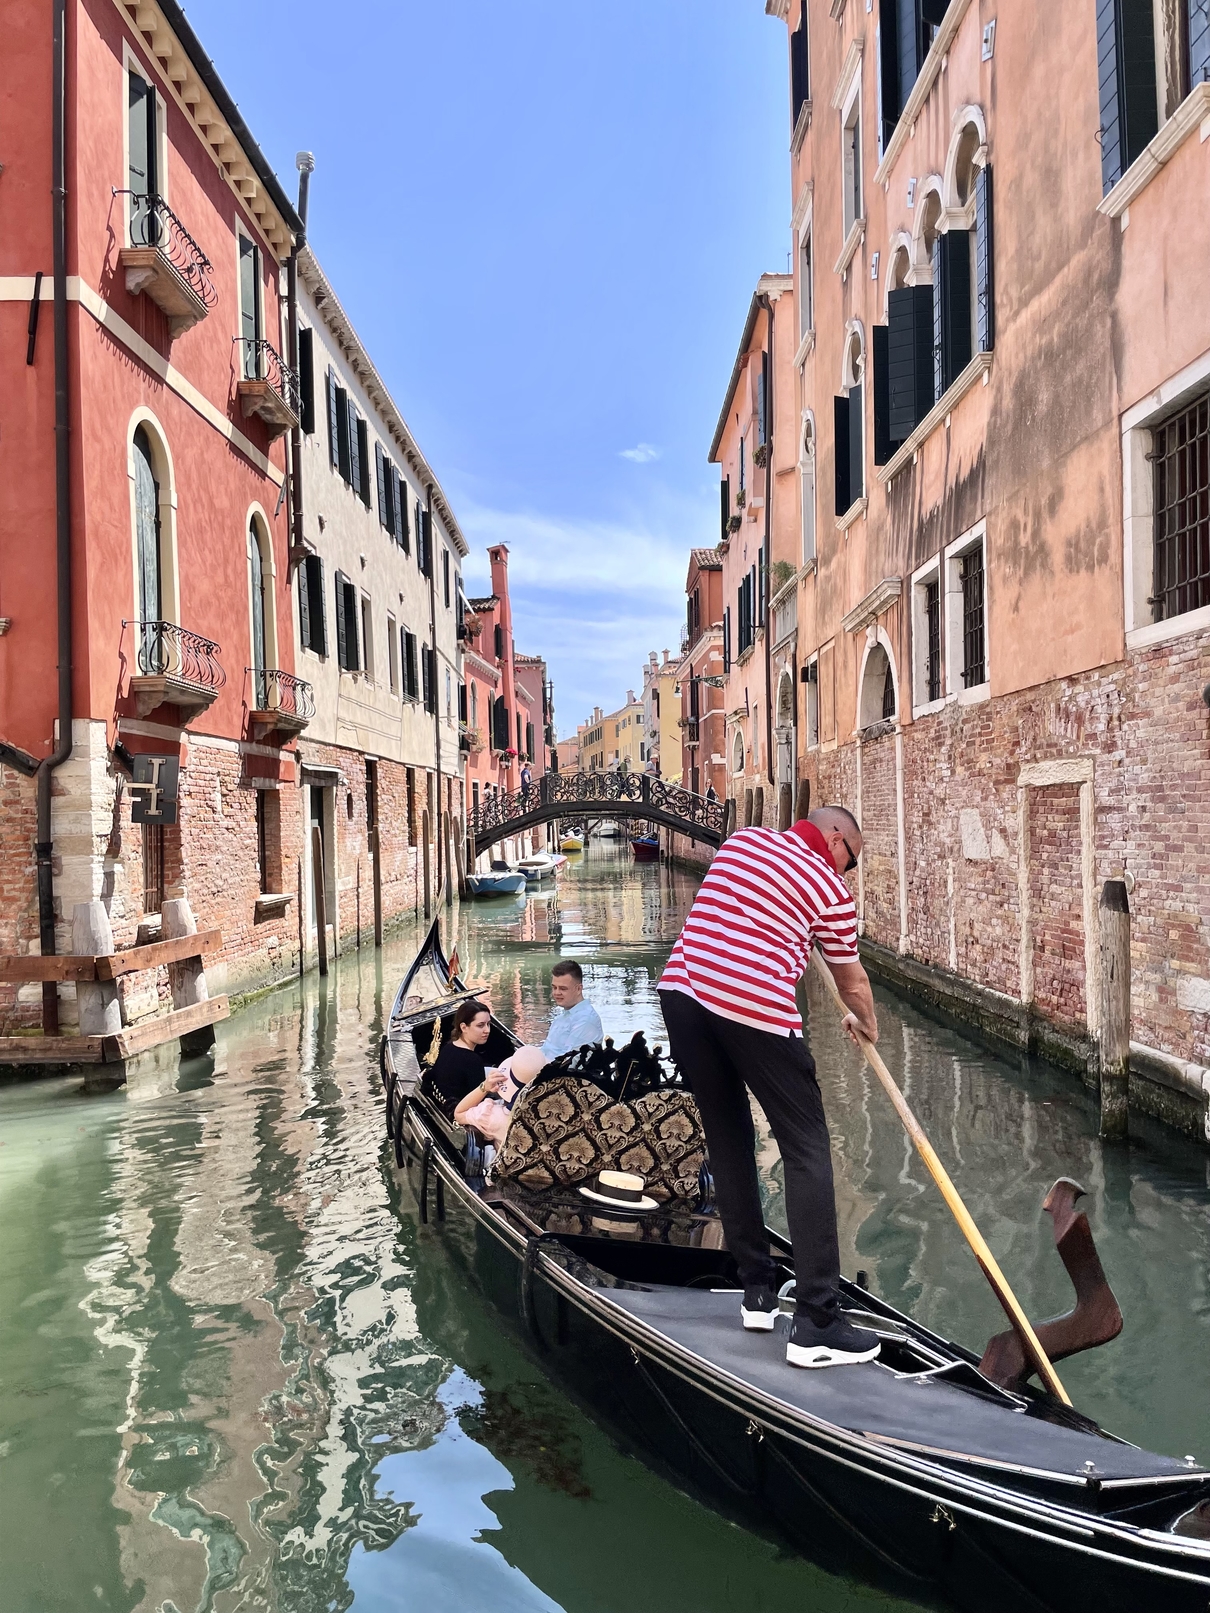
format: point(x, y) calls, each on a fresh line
point(566, 1130)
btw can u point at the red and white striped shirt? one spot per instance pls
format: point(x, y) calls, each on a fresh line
point(767, 898)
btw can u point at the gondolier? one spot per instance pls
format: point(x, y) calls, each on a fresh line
point(728, 1000)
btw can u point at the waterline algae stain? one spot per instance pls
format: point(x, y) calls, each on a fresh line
point(235, 1373)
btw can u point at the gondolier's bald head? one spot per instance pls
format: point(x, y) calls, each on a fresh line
point(842, 832)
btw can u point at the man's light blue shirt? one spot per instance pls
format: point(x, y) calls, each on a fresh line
point(572, 1027)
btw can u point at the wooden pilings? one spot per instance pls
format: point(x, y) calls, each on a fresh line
point(321, 897)
point(97, 1000)
point(785, 806)
point(802, 806)
point(187, 976)
point(758, 805)
point(425, 832)
point(1115, 1009)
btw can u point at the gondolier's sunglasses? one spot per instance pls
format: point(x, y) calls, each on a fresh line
point(852, 862)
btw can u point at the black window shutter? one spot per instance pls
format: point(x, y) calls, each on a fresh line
point(762, 402)
point(1136, 76)
point(380, 469)
point(910, 358)
point(401, 512)
point(363, 453)
point(940, 297)
point(314, 567)
point(409, 663)
point(933, 11)
point(909, 41)
point(856, 442)
point(726, 638)
point(884, 444)
point(724, 490)
point(840, 423)
point(425, 674)
point(888, 68)
point(352, 628)
point(306, 380)
point(956, 333)
point(344, 461)
point(462, 702)
point(800, 78)
point(304, 606)
point(985, 265)
point(1107, 86)
point(529, 740)
point(333, 422)
point(342, 646)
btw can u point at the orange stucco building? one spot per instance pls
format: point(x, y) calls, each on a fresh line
point(1003, 471)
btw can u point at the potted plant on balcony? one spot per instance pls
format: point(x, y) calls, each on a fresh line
point(761, 455)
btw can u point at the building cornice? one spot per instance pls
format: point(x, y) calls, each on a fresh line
point(872, 606)
point(484, 668)
point(164, 30)
point(341, 326)
point(769, 285)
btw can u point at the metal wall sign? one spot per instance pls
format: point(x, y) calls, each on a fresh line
point(154, 788)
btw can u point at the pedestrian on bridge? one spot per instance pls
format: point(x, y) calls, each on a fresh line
point(727, 996)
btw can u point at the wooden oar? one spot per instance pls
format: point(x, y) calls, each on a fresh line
point(1029, 1339)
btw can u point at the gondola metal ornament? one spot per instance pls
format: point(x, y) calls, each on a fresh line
point(1030, 1343)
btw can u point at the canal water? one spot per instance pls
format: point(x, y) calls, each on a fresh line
point(235, 1373)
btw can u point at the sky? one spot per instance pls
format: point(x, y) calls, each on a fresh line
point(546, 221)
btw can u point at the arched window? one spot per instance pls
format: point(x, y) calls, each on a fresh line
point(737, 752)
point(150, 469)
point(806, 469)
point(850, 422)
point(879, 696)
point(785, 702)
point(147, 532)
point(262, 615)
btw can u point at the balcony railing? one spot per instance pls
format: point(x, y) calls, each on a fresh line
point(691, 731)
point(268, 387)
point(164, 261)
point(175, 667)
point(280, 700)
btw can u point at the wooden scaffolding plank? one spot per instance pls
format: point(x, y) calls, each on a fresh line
point(52, 1049)
point(18, 970)
point(150, 957)
point(165, 1028)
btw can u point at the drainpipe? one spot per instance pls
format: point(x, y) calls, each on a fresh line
point(431, 557)
point(305, 163)
point(770, 770)
point(44, 844)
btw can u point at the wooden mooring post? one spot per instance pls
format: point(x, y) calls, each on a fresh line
point(1115, 1009)
point(785, 805)
point(428, 864)
point(321, 900)
point(802, 807)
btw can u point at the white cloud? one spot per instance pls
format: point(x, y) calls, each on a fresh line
point(641, 454)
point(592, 597)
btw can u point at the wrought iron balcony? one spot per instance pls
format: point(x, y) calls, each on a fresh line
point(268, 387)
point(176, 668)
point(280, 700)
point(166, 263)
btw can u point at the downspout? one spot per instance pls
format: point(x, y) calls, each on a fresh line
point(44, 844)
point(770, 770)
point(305, 164)
point(432, 569)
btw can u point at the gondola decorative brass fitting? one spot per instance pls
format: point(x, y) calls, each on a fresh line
point(635, 1357)
point(754, 1430)
point(942, 1515)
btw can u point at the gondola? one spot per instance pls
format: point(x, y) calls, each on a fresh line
point(916, 1471)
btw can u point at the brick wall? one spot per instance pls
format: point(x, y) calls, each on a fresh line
point(1056, 902)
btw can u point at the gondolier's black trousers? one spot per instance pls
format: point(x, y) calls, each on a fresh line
point(719, 1058)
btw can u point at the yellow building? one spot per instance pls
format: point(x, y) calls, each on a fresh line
point(661, 717)
point(614, 739)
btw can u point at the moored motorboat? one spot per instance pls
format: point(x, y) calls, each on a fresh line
point(572, 842)
point(496, 884)
point(646, 848)
point(543, 865)
point(915, 1466)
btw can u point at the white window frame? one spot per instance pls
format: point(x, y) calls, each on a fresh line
point(808, 463)
point(922, 706)
point(806, 287)
point(812, 714)
point(951, 611)
point(1138, 508)
point(852, 176)
point(392, 654)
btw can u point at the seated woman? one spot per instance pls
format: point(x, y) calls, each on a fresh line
point(460, 1067)
point(489, 1108)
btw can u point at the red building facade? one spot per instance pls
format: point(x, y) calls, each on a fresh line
point(172, 587)
point(703, 722)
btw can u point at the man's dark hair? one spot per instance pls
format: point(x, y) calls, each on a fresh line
point(569, 966)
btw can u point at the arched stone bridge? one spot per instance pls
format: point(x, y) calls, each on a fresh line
point(600, 795)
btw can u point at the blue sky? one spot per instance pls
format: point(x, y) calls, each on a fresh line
point(546, 221)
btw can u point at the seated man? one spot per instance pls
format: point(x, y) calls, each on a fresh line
point(578, 1021)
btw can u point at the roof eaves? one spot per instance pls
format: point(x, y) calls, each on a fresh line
point(766, 284)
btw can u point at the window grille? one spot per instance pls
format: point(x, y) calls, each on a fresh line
point(1181, 457)
point(932, 617)
point(888, 694)
point(153, 867)
point(974, 660)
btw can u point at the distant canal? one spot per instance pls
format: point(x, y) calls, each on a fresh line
point(236, 1374)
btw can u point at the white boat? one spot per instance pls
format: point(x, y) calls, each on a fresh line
point(506, 883)
point(542, 866)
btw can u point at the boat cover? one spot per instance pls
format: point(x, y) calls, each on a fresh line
point(931, 1416)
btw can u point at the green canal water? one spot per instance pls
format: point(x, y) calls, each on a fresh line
point(235, 1373)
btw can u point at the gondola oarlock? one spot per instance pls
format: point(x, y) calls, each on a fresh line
point(914, 1470)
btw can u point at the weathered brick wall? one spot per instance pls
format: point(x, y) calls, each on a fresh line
point(880, 856)
point(1057, 903)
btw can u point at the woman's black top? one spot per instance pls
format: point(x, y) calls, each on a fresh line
point(458, 1070)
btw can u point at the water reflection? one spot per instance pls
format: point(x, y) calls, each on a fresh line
point(236, 1374)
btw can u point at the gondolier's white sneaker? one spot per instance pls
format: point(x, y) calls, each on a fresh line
point(759, 1309)
point(837, 1345)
